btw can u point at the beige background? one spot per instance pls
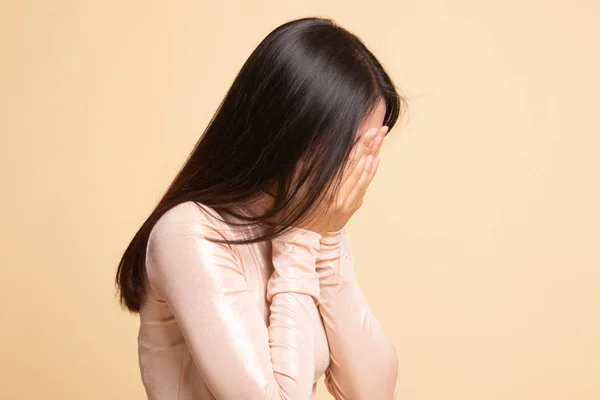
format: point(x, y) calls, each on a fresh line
point(478, 246)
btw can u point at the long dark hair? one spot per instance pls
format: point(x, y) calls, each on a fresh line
point(301, 95)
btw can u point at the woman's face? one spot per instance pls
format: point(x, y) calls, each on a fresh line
point(373, 120)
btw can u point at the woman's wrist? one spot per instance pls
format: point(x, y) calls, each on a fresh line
point(295, 252)
point(332, 237)
point(300, 233)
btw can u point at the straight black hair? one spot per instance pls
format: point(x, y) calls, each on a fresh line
point(300, 97)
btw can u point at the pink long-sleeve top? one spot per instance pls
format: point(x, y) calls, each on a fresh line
point(259, 321)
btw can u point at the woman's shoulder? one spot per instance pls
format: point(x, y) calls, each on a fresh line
point(179, 245)
point(189, 217)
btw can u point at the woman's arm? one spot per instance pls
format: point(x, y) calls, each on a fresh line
point(236, 354)
point(364, 364)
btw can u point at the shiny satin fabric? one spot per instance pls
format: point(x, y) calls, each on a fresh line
point(261, 321)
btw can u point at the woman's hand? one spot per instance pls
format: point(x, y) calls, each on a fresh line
point(358, 174)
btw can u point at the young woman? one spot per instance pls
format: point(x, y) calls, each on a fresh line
point(243, 275)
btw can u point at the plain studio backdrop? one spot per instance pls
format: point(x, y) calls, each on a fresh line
point(478, 246)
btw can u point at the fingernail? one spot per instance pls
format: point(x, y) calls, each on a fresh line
point(385, 129)
point(369, 159)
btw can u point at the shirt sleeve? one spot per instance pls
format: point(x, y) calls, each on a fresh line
point(203, 282)
point(364, 363)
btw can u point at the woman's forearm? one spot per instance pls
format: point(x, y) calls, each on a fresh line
point(364, 364)
point(293, 290)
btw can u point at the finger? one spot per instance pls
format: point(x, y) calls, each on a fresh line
point(358, 191)
point(377, 143)
point(368, 136)
point(362, 146)
point(378, 140)
point(373, 170)
point(384, 130)
point(377, 134)
point(355, 175)
point(376, 146)
point(359, 188)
